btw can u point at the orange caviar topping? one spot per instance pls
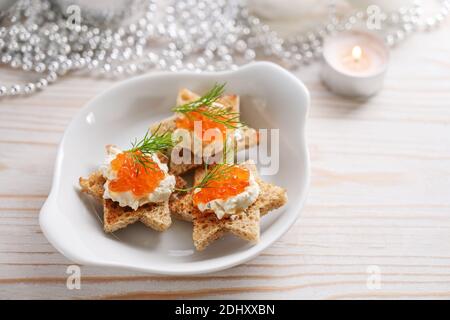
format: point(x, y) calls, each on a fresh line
point(188, 120)
point(133, 176)
point(233, 182)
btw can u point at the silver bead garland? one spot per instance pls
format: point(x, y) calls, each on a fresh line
point(197, 35)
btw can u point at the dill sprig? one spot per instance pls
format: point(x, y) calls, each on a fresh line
point(205, 106)
point(143, 149)
point(218, 171)
point(206, 100)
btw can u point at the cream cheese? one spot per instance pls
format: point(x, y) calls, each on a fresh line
point(235, 203)
point(128, 198)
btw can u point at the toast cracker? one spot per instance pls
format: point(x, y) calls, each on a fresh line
point(153, 215)
point(270, 197)
point(244, 224)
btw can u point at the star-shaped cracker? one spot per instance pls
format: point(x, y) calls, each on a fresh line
point(246, 137)
point(153, 215)
point(244, 224)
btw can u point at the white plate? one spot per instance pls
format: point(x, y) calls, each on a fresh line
point(271, 97)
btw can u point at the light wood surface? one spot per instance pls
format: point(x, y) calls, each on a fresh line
point(380, 195)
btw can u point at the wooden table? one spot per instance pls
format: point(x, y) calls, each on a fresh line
point(379, 200)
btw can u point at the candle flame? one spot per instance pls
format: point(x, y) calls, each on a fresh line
point(356, 53)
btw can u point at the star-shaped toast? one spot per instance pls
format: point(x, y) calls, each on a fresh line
point(153, 215)
point(245, 137)
point(244, 224)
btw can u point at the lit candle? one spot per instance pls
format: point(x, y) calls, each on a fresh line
point(356, 53)
point(354, 63)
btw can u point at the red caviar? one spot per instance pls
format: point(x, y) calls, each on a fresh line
point(187, 122)
point(133, 176)
point(233, 182)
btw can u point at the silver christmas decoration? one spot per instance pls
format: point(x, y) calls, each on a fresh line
point(198, 35)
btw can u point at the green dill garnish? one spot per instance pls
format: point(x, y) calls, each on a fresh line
point(218, 172)
point(143, 149)
point(214, 172)
point(205, 106)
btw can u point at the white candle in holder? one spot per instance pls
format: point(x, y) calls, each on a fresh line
point(354, 63)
